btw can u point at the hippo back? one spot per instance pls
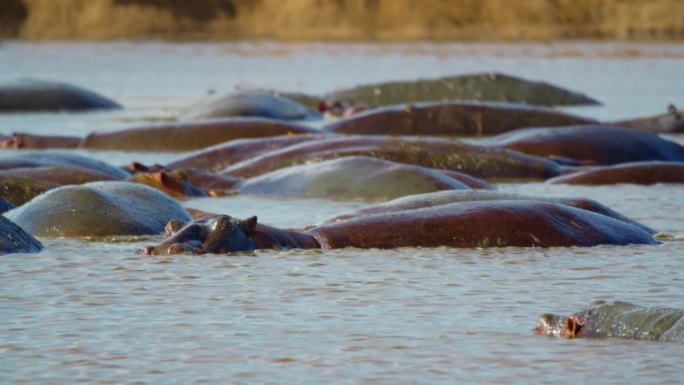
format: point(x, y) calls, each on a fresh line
point(98, 209)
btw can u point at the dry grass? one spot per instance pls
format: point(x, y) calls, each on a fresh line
point(383, 20)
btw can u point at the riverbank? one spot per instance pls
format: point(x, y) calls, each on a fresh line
point(343, 20)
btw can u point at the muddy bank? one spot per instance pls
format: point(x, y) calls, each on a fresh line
point(471, 20)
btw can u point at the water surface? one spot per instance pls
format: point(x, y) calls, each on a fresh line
point(96, 312)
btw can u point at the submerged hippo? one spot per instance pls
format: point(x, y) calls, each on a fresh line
point(20, 185)
point(591, 144)
point(441, 198)
point(98, 209)
point(671, 122)
point(456, 118)
point(355, 177)
point(5, 205)
point(482, 86)
point(617, 319)
point(220, 156)
point(489, 163)
point(26, 159)
point(190, 136)
point(163, 137)
point(469, 224)
point(644, 173)
point(29, 95)
point(13, 239)
point(250, 103)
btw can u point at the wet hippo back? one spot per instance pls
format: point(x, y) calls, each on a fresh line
point(247, 103)
point(595, 144)
point(36, 95)
point(98, 209)
point(53, 158)
point(482, 224)
point(616, 319)
point(13, 239)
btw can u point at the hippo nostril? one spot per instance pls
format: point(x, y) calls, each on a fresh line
point(148, 250)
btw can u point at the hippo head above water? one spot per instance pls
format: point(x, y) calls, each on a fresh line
point(557, 326)
point(215, 234)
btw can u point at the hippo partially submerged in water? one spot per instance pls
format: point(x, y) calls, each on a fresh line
point(499, 223)
point(29, 95)
point(13, 239)
point(617, 319)
point(98, 209)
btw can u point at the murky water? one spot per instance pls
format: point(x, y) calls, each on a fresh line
point(91, 312)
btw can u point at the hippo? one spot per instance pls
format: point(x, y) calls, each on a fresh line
point(19, 185)
point(13, 239)
point(440, 198)
point(671, 122)
point(481, 86)
point(19, 190)
point(183, 182)
point(247, 103)
point(504, 223)
point(220, 156)
point(6, 205)
point(98, 209)
point(591, 144)
point(31, 141)
point(616, 319)
point(351, 178)
point(174, 184)
point(644, 173)
point(25, 159)
point(489, 163)
point(190, 136)
point(29, 95)
point(457, 118)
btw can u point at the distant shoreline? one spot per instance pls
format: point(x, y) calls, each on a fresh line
point(343, 20)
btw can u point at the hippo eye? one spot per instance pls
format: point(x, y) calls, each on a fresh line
point(224, 223)
point(172, 227)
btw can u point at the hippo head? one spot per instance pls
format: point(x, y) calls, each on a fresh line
point(556, 326)
point(215, 234)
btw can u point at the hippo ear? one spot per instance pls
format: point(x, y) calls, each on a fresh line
point(248, 225)
point(571, 327)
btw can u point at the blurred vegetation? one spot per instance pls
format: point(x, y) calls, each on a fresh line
point(384, 20)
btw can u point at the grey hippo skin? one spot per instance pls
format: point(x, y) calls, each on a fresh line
point(482, 86)
point(28, 95)
point(616, 319)
point(98, 209)
point(13, 239)
point(247, 103)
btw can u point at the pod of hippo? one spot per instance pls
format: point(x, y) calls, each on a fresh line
point(430, 186)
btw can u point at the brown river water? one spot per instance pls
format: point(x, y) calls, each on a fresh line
point(99, 313)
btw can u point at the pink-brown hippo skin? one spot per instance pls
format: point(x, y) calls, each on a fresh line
point(440, 198)
point(592, 144)
point(220, 156)
point(616, 319)
point(489, 163)
point(190, 136)
point(469, 224)
point(224, 234)
point(22, 140)
point(452, 119)
point(644, 173)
